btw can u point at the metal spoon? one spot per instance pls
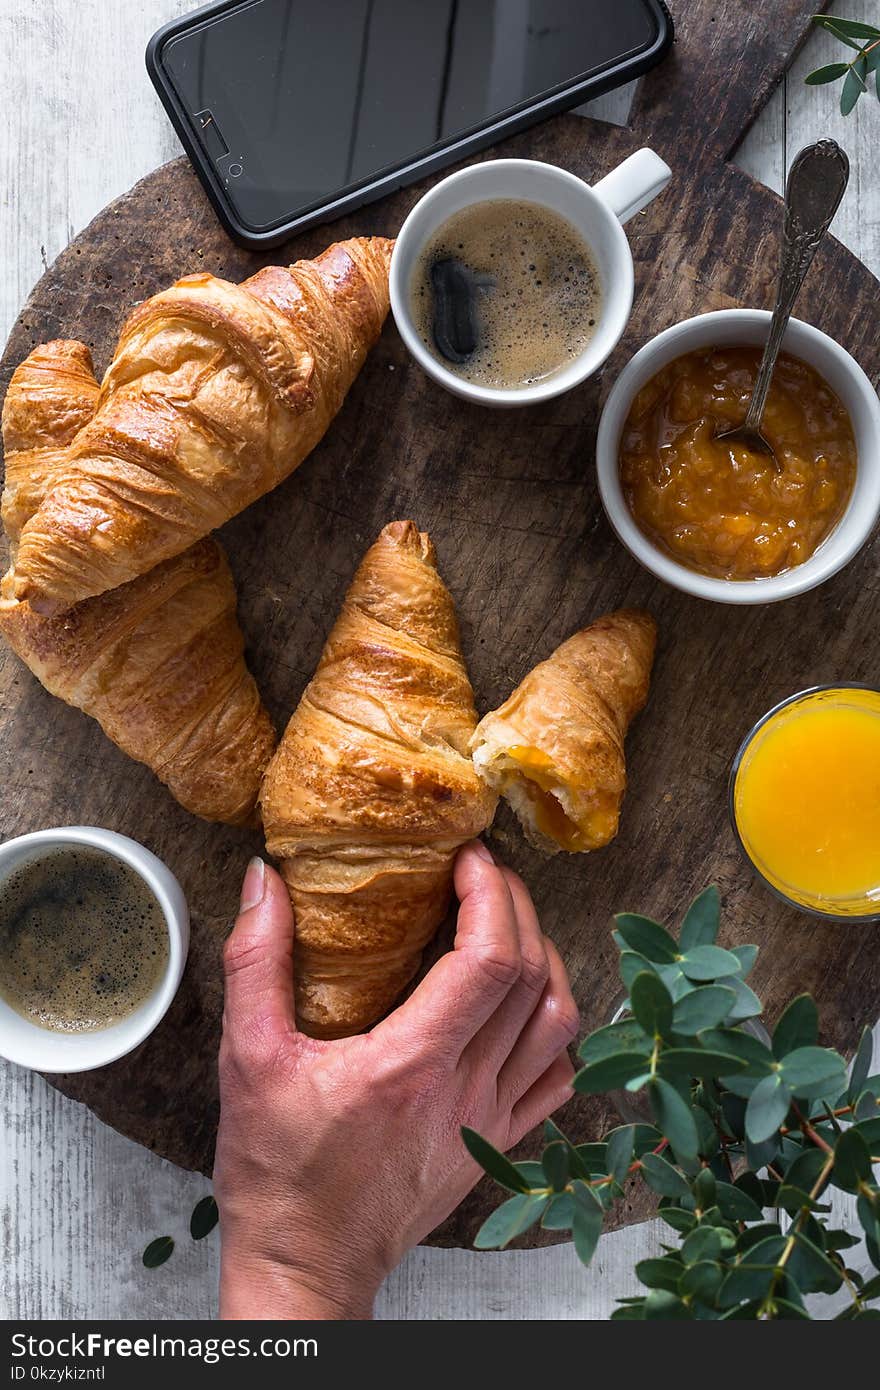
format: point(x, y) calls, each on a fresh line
point(816, 183)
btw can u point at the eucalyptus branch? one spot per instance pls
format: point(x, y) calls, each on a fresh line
point(738, 1128)
point(865, 40)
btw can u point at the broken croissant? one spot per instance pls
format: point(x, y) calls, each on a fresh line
point(555, 748)
point(372, 790)
point(216, 393)
point(158, 662)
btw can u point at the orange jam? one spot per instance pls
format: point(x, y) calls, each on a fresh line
point(596, 824)
point(720, 508)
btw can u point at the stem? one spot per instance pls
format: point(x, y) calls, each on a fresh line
point(809, 1131)
point(791, 1241)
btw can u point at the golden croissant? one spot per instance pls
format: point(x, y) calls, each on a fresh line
point(554, 749)
point(158, 662)
point(372, 791)
point(216, 393)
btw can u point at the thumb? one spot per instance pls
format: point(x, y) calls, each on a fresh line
point(258, 962)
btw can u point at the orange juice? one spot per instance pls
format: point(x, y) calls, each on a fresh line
point(806, 801)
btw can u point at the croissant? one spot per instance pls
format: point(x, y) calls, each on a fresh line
point(216, 393)
point(158, 662)
point(554, 749)
point(371, 791)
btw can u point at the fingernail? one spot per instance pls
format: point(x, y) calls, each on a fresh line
point(483, 851)
point(253, 886)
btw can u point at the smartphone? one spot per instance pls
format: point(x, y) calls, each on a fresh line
point(294, 113)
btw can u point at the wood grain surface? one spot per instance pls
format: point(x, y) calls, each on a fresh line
point(511, 502)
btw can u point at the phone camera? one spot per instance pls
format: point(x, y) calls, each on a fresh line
point(235, 171)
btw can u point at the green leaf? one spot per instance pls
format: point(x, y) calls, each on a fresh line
point(554, 1161)
point(699, 1061)
point(586, 1226)
point(660, 1273)
point(790, 1312)
point(840, 1240)
point(746, 955)
point(493, 1162)
point(737, 1205)
point(660, 1305)
point(798, 1026)
point(646, 937)
point(559, 1214)
point(680, 1220)
point(673, 1118)
point(830, 22)
point(767, 1108)
point(510, 1220)
point(865, 1107)
point(631, 965)
point(745, 1282)
point(532, 1172)
point(853, 85)
point(630, 1312)
point(620, 1151)
point(746, 1004)
point(662, 1177)
point(204, 1218)
point(861, 1065)
point(829, 73)
point(158, 1251)
point(870, 1132)
point(702, 920)
point(627, 1035)
point(805, 1167)
point(708, 962)
point(651, 1004)
point(701, 1281)
point(610, 1073)
point(811, 1269)
point(701, 1008)
point(705, 1188)
point(702, 1244)
point(852, 28)
point(739, 1044)
point(576, 1160)
point(814, 1073)
point(852, 1161)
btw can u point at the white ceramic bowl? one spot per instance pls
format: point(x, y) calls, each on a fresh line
point(597, 212)
point(843, 374)
point(43, 1050)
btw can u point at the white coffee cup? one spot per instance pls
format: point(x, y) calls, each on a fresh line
point(597, 211)
point(42, 1049)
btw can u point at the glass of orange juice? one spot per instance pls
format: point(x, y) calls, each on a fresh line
point(805, 801)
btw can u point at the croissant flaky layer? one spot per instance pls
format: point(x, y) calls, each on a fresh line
point(555, 750)
point(372, 791)
point(216, 393)
point(158, 662)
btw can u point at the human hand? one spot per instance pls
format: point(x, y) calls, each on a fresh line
point(335, 1158)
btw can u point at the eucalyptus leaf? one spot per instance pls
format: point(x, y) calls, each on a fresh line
point(700, 1008)
point(204, 1218)
point(559, 1214)
point(510, 1220)
point(701, 1281)
point(829, 73)
point(680, 1220)
point(699, 1061)
point(702, 920)
point(750, 1050)
point(804, 1169)
point(861, 1065)
point(746, 955)
point(631, 965)
point(737, 1205)
point(660, 1274)
point(746, 1003)
point(610, 1073)
point(620, 1151)
point(493, 1162)
point(811, 1268)
point(673, 1117)
point(651, 1003)
point(647, 937)
point(702, 1244)
point(852, 1161)
point(853, 85)
point(662, 1177)
point(586, 1226)
point(158, 1251)
point(666, 1307)
point(576, 1160)
point(627, 1035)
point(853, 28)
point(708, 963)
point(746, 1282)
point(798, 1026)
point(555, 1163)
point(767, 1108)
point(814, 1073)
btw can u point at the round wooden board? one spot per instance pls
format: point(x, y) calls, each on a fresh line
point(510, 500)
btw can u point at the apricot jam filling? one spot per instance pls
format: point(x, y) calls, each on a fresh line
point(718, 507)
point(541, 783)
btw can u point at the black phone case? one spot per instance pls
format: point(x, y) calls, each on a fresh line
point(625, 71)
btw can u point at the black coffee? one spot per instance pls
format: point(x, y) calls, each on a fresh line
point(506, 293)
point(83, 941)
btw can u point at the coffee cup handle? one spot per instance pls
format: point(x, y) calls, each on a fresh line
point(633, 184)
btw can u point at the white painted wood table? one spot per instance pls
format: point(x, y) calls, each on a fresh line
point(78, 1202)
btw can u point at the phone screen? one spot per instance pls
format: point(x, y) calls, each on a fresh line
point(295, 101)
